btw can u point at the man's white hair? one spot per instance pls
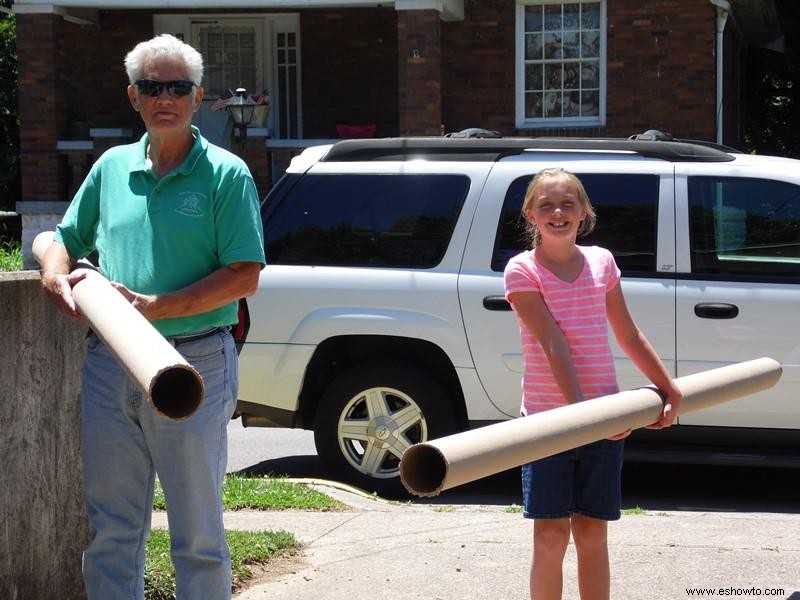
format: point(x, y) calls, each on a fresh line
point(164, 45)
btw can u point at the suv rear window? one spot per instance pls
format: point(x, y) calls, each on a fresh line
point(627, 220)
point(364, 220)
point(748, 228)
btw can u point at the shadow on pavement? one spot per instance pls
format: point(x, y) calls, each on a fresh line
point(646, 486)
point(308, 465)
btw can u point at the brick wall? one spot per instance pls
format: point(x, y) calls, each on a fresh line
point(419, 47)
point(41, 106)
point(359, 66)
point(349, 70)
point(660, 69)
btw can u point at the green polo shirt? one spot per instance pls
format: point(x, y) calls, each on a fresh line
point(161, 235)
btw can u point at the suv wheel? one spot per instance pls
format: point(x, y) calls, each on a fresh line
point(371, 413)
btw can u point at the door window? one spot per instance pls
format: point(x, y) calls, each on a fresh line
point(746, 228)
point(627, 218)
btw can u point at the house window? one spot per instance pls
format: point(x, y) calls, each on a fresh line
point(560, 63)
point(232, 56)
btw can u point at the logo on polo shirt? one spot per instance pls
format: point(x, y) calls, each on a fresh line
point(191, 204)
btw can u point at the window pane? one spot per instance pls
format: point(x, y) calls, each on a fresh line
point(552, 76)
point(365, 220)
point(572, 18)
point(590, 74)
point(533, 18)
point(590, 16)
point(744, 227)
point(552, 104)
point(552, 17)
point(627, 210)
point(534, 77)
point(572, 104)
point(590, 104)
point(534, 105)
point(572, 75)
point(533, 46)
point(553, 45)
point(590, 44)
point(572, 45)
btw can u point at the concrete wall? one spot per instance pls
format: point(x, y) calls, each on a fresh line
point(43, 528)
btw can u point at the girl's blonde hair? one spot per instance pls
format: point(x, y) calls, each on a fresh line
point(586, 226)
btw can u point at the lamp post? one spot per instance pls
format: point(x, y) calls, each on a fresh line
point(241, 108)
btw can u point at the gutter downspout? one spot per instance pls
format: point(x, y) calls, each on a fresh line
point(723, 10)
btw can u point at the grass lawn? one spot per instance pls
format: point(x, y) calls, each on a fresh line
point(247, 547)
point(10, 256)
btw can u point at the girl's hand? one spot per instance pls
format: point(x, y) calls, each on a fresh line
point(672, 404)
point(620, 436)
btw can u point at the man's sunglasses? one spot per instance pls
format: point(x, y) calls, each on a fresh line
point(176, 88)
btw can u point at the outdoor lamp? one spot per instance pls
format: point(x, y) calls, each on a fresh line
point(241, 108)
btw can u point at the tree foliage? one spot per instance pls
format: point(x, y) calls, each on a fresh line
point(9, 112)
point(773, 99)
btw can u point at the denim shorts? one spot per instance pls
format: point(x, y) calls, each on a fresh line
point(585, 481)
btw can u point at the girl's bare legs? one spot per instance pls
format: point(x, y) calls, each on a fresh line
point(550, 539)
point(591, 545)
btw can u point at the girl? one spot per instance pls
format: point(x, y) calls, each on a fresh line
point(564, 296)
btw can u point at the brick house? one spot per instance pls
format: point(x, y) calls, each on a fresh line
point(403, 67)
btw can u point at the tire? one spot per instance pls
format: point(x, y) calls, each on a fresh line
point(374, 411)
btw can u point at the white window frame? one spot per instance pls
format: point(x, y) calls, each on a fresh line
point(523, 122)
point(271, 25)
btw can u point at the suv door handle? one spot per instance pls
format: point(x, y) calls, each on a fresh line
point(496, 303)
point(716, 310)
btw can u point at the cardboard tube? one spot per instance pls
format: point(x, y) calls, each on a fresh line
point(172, 386)
point(428, 468)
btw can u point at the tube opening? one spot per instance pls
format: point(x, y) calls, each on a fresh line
point(422, 470)
point(177, 392)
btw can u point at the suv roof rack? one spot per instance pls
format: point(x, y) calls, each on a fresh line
point(483, 149)
point(663, 136)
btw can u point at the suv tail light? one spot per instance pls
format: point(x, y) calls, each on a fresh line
point(240, 330)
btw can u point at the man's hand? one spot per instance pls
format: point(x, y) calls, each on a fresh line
point(144, 303)
point(59, 288)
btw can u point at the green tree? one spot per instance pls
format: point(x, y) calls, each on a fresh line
point(773, 95)
point(9, 111)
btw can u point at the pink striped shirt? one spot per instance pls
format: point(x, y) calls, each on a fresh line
point(579, 309)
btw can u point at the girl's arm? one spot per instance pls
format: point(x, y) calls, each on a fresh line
point(537, 318)
point(634, 343)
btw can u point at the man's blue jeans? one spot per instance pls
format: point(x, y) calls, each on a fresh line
point(125, 443)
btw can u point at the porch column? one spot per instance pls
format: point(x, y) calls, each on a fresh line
point(419, 72)
point(42, 110)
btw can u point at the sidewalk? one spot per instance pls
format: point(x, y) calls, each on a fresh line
point(399, 551)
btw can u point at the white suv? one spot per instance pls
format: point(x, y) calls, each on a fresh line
point(380, 319)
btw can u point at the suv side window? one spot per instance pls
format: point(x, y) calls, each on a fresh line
point(627, 220)
point(365, 220)
point(748, 228)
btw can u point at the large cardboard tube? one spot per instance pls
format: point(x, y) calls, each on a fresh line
point(428, 468)
point(171, 385)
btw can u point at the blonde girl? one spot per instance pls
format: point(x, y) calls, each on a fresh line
point(564, 297)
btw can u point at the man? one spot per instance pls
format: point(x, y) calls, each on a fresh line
point(176, 225)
